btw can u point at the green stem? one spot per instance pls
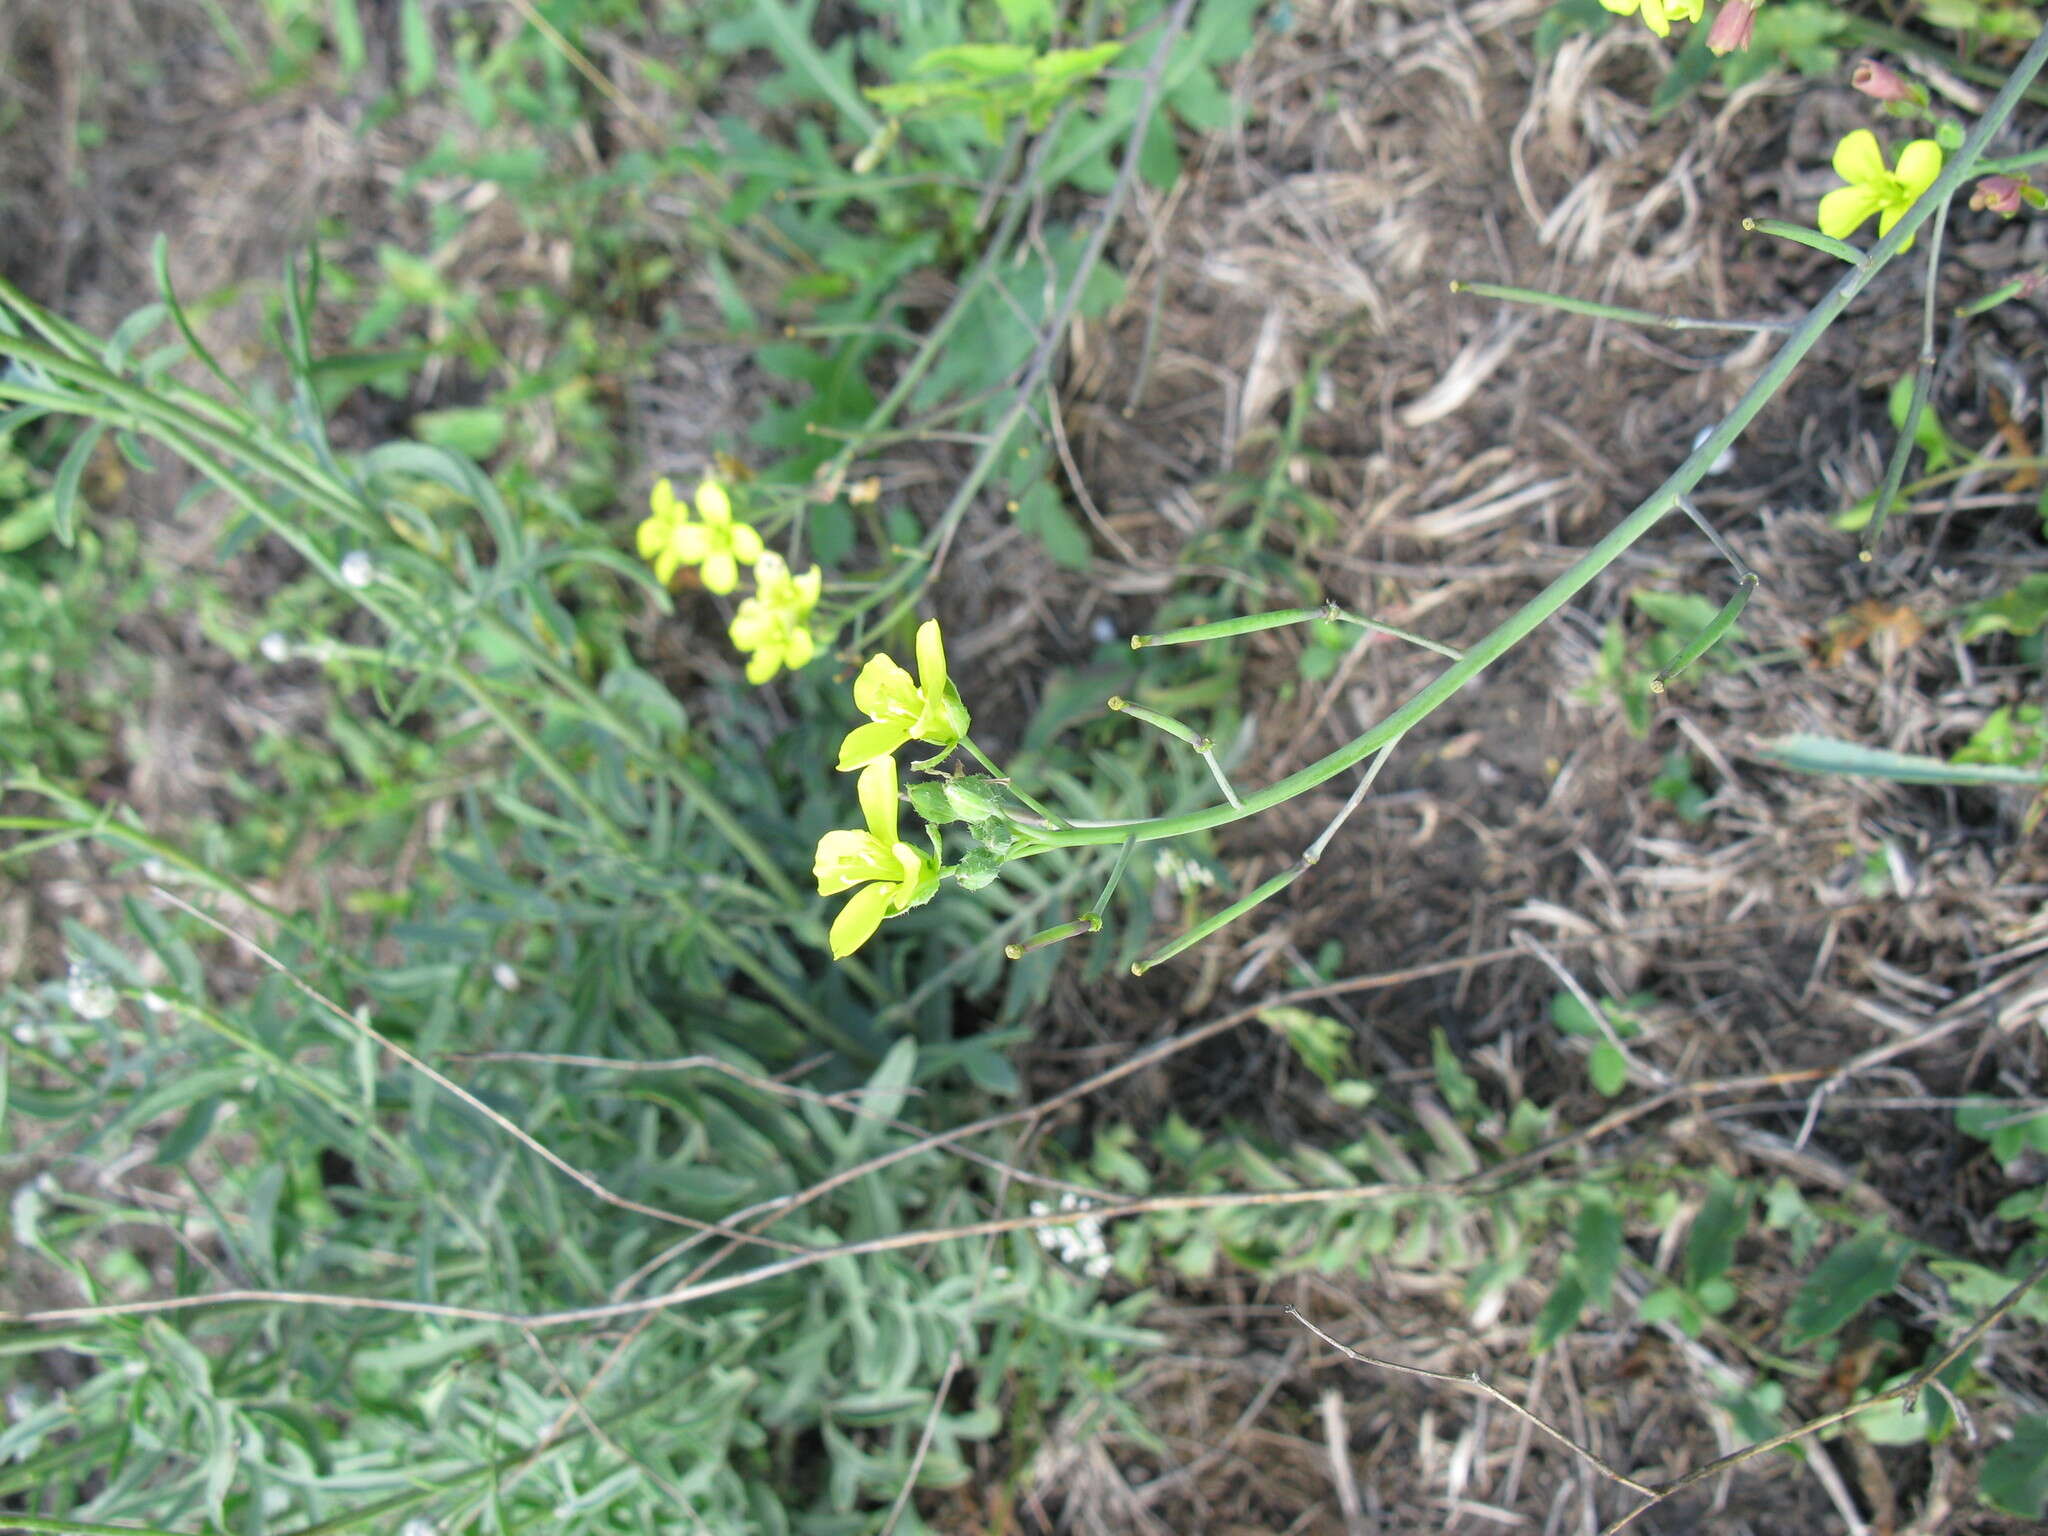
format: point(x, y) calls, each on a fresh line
point(1601, 311)
point(1525, 620)
point(1923, 386)
point(1338, 615)
point(2006, 165)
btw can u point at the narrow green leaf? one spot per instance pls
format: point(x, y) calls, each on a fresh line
point(416, 45)
point(64, 510)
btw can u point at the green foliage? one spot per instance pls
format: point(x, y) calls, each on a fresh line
point(2015, 1475)
point(1624, 672)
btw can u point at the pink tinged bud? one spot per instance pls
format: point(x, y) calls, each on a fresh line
point(2001, 194)
point(1733, 28)
point(1881, 82)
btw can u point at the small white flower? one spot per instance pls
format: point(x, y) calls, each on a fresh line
point(275, 648)
point(155, 1002)
point(506, 978)
point(418, 1527)
point(90, 993)
point(357, 569)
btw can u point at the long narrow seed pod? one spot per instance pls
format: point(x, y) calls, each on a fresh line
point(1165, 723)
point(1223, 629)
point(1086, 923)
point(1229, 914)
point(1705, 640)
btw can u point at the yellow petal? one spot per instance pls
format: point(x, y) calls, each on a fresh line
point(931, 660)
point(650, 536)
point(798, 650)
point(1845, 208)
point(1892, 214)
point(846, 859)
point(720, 574)
point(745, 543)
point(771, 571)
point(713, 505)
point(865, 743)
point(1919, 164)
point(1620, 7)
point(1859, 161)
point(663, 499)
point(858, 920)
point(877, 791)
point(884, 691)
point(763, 667)
point(689, 542)
point(808, 586)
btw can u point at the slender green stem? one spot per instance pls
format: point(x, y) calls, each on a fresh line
point(1338, 615)
point(2005, 165)
point(1228, 915)
point(1216, 770)
point(1799, 234)
point(1923, 386)
point(1116, 874)
point(1525, 620)
point(1314, 852)
point(1621, 312)
point(1699, 518)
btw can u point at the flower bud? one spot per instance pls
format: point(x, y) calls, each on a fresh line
point(1881, 82)
point(1733, 28)
point(2001, 194)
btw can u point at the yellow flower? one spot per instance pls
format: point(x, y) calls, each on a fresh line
point(1658, 14)
point(1871, 188)
point(892, 876)
point(773, 625)
point(671, 538)
point(900, 709)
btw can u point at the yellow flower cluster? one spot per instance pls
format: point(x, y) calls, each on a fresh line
point(772, 628)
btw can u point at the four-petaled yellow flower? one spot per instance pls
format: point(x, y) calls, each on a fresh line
point(891, 875)
point(773, 625)
point(671, 538)
point(1871, 188)
point(1658, 14)
point(900, 710)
